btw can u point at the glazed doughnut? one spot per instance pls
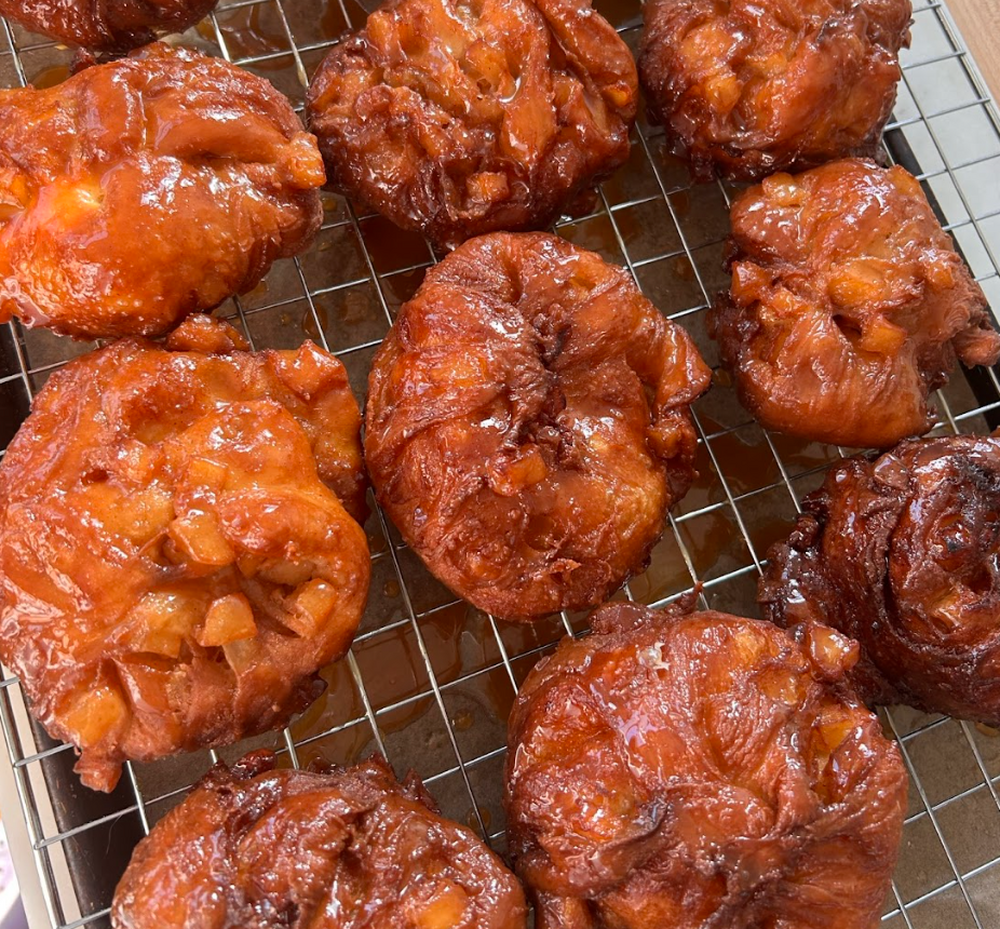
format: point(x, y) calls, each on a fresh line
point(527, 424)
point(848, 305)
point(140, 191)
point(350, 848)
point(750, 87)
point(900, 552)
point(460, 117)
point(106, 25)
point(674, 771)
point(175, 564)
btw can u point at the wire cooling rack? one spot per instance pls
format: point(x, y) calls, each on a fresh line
point(430, 680)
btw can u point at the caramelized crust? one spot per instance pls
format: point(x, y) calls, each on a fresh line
point(142, 190)
point(460, 117)
point(900, 552)
point(848, 305)
point(106, 25)
point(174, 566)
point(676, 771)
point(749, 87)
point(350, 849)
point(528, 426)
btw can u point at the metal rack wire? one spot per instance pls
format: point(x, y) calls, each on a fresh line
point(430, 679)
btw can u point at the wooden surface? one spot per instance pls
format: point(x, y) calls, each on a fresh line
point(979, 21)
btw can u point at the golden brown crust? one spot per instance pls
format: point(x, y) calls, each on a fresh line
point(174, 569)
point(348, 849)
point(106, 25)
point(460, 117)
point(146, 189)
point(750, 87)
point(848, 305)
point(900, 552)
point(674, 771)
point(528, 426)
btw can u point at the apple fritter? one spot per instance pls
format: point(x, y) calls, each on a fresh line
point(527, 424)
point(749, 87)
point(145, 189)
point(175, 564)
point(459, 117)
point(848, 305)
point(901, 552)
point(106, 25)
point(350, 848)
point(674, 771)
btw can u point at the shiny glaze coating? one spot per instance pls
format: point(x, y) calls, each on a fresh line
point(460, 117)
point(749, 87)
point(848, 305)
point(348, 849)
point(143, 190)
point(174, 566)
point(901, 552)
point(106, 25)
point(673, 771)
point(528, 426)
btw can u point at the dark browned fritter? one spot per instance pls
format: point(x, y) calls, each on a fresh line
point(528, 425)
point(106, 25)
point(901, 552)
point(672, 772)
point(749, 87)
point(460, 117)
point(848, 305)
point(142, 190)
point(175, 564)
point(353, 848)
